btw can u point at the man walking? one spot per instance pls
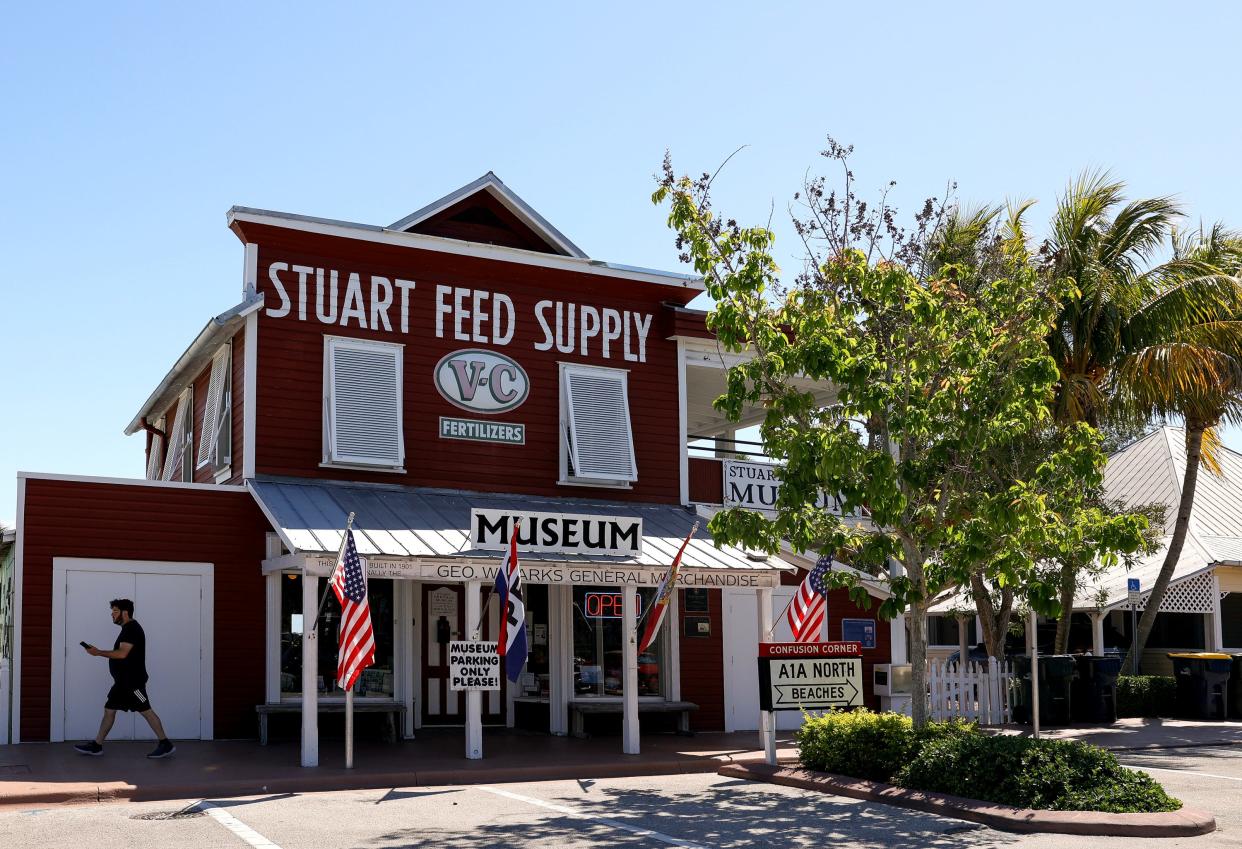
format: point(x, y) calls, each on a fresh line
point(127, 661)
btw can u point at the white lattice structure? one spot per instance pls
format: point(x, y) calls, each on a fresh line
point(1192, 595)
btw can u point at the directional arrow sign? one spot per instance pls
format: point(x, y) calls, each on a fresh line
point(809, 683)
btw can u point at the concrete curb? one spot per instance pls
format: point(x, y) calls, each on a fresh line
point(1187, 822)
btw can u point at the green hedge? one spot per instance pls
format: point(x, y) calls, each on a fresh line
point(958, 758)
point(1146, 695)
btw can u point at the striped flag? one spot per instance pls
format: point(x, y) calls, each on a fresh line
point(511, 644)
point(655, 613)
point(810, 603)
point(356, 642)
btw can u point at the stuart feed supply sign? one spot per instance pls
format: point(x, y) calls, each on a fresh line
point(810, 676)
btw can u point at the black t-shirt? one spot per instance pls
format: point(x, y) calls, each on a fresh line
point(131, 670)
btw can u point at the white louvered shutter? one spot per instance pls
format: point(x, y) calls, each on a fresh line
point(155, 457)
point(177, 436)
point(215, 398)
point(601, 443)
point(364, 404)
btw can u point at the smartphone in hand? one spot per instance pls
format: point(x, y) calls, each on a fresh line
point(85, 644)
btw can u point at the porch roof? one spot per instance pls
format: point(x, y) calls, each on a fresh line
point(400, 521)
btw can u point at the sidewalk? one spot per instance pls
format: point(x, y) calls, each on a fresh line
point(1133, 733)
point(39, 774)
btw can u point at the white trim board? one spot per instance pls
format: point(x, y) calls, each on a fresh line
point(384, 236)
point(62, 565)
point(48, 476)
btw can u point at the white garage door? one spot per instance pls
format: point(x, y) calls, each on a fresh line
point(741, 658)
point(172, 602)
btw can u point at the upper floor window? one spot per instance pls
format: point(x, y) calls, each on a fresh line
point(179, 458)
point(215, 442)
point(597, 444)
point(362, 403)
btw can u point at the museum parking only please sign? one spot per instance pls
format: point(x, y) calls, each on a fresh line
point(473, 665)
point(810, 676)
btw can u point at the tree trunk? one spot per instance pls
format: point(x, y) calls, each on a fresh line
point(994, 620)
point(1194, 450)
point(918, 663)
point(1069, 583)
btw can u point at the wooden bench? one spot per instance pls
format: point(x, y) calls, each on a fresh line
point(579, 708)
point(394, 711)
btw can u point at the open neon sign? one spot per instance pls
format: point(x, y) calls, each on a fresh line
point(607, 605)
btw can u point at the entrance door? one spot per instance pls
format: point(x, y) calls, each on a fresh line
point(741, 653)
point(444, 613)
point(170, 608)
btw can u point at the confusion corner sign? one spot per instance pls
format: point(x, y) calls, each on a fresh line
point(810, 676)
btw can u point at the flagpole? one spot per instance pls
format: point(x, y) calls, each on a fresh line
point(323, 600)
point(487, 605)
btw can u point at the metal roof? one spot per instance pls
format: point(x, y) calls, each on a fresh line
point(401, 521)
point(1150, 471)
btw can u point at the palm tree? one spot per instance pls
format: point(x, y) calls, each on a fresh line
point(1140, 338)
point(1196, 375)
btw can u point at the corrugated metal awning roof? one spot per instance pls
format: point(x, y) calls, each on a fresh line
point(401, 521)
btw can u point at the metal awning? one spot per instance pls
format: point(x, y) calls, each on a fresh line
point(411, 523)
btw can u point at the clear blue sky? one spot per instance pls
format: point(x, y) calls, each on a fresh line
point(129, 130)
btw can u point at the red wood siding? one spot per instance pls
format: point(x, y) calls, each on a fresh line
point(706, 480)
point(483, 219)
point(136, 522)
point(289, 437)
point(702, 669)
point(690, 323)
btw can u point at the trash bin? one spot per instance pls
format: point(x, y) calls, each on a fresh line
point(1235, 688)
point(1056, 674)
point(1095, 689)
point(1202, 683)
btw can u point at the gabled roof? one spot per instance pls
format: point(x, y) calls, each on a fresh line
point(1150, 471)
point(464, 201)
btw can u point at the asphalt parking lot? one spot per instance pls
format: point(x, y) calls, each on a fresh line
point(690, 811)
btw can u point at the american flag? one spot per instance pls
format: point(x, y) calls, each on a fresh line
point(655, 615)
point(357, 640)
point(810, 604)
point(512, 643)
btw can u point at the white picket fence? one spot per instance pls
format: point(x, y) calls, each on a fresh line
point(978, 692)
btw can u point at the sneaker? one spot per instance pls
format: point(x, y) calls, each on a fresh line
point(89, 748)
point(162, 750)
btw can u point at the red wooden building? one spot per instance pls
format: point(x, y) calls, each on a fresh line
point(436, 377)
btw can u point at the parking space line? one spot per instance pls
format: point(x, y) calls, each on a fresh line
point(239, 828)
point(570, 812)
point(1183, 772)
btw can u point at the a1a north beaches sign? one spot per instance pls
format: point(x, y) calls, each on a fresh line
point(810, 676)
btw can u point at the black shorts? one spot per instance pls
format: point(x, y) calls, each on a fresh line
point(124, 697)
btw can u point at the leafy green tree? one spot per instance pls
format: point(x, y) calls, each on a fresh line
point(937, 368)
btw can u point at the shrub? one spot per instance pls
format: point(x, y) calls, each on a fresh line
point(867, 745)
point(857, 743)
point(1049, 774)
point(1146, 695)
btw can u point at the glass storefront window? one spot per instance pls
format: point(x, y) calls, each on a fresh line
point(598, 644)
point(375, 681)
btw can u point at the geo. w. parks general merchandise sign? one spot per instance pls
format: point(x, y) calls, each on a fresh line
point(809, 676)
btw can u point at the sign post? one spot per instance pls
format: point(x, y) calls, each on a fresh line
point(474, 666)
point(1133, 590)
